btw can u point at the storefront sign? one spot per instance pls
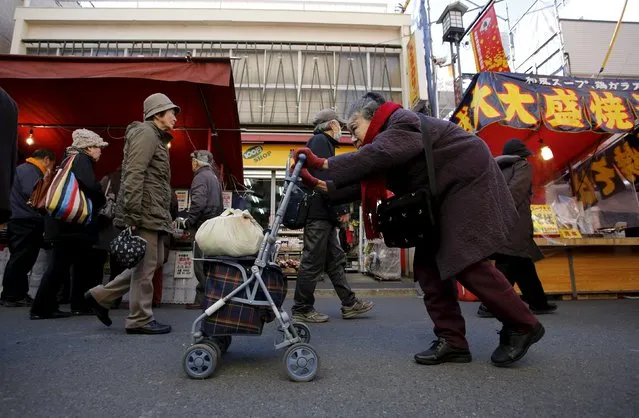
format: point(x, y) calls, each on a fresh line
point(560, 103)
point(183, 265)
point(606, 173)
point(413, 75)
point(275, 155)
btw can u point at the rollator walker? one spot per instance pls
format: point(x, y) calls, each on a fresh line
point(241, 295)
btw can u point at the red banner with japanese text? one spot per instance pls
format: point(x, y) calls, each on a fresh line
point(486, 41)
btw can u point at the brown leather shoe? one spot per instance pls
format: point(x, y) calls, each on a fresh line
point(193, 306)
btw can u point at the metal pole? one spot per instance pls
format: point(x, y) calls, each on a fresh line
point(435, 99)
point(565, 71)
point(428, 56)
point(511, 40)
point(458, 81)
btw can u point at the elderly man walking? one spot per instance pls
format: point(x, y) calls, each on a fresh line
point(322, 251)
point(206, 203)
point(143, 203)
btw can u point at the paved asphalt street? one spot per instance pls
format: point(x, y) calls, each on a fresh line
point(586, 366)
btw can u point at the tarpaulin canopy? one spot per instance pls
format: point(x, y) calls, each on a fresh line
point(56, 95)
point(571, 116)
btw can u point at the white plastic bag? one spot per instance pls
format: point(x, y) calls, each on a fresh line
point(234, 233)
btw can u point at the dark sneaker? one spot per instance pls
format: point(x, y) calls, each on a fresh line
point(313, 317)
point(548, 309)
point(25, 302)
point(442, 352)
point(100, 311)
point(483, 312)
point(152, 328)
point(514, 345)
point(358, 308)
point(52, 315)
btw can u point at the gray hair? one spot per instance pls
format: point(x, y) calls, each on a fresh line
point(364, 106)
point(201, 163)
point(322, 127)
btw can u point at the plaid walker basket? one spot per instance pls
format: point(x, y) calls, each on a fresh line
point(223, 275)
point(242, 294)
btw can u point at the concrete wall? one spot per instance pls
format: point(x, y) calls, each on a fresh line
point(7, 8)
point(586, 51)
point(204, 24)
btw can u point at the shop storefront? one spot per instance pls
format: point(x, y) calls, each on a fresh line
point(265, 165)
point(586, 166)
point(56, 95)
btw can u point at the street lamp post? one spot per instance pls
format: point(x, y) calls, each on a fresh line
point(453, 23)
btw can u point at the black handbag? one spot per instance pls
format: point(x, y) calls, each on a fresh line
point(297, 209)
point(128, 249)
point(410, 220)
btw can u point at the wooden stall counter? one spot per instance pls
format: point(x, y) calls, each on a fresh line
point(579, 267)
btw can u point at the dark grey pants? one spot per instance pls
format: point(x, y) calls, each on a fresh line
point(200, 275)
point(322, 253)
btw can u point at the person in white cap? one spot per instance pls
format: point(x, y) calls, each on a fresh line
point(143, 203)
point(71, 242)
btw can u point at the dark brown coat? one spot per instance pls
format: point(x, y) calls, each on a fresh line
point(519, 175)
point(476, 213)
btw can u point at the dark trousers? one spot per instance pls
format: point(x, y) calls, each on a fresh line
point(522, 271)
point(200, 275)
point(25, 240)
point(65, 255)
point(322, 253)
point(483, 280)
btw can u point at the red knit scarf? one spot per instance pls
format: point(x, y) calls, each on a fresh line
point(374, 189)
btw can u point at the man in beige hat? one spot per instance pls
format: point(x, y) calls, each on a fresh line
point(322, 251)
point(143, 203)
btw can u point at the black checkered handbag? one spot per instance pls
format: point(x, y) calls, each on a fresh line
point(128, 249)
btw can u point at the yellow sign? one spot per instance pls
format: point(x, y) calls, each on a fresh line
point(275, 155)
point(413, 76)
point(544, 220)
point(570, 233)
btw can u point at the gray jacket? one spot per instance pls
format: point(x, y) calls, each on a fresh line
point(144, 199)
point(519, 175)
point(206, 197)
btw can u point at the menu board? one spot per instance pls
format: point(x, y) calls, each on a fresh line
point(183, 265)
point(183, 199)
point(544, 221)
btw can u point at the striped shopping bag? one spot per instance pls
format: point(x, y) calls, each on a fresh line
point(65, 201)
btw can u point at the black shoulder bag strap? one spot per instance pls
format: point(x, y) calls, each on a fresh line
point(430, 168)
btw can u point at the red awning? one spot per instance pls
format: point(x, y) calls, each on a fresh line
point(56, 95)
point(573, 117)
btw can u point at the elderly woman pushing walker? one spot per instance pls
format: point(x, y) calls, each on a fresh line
point(475, 213)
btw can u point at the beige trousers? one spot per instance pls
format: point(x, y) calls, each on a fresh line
point(137, 280)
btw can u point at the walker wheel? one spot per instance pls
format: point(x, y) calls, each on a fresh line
point(200, 360)
point(301, 362)
point(303, 331)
